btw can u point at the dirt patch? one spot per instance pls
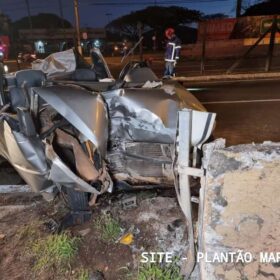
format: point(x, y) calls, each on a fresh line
point(14, 260)
point(156, 224)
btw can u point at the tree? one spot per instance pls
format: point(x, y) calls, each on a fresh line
point(5, 24)
point(42, 20)
point(156, 17)
point(270, 7)
point(214, 16)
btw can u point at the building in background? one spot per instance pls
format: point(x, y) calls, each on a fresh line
point(46, 41)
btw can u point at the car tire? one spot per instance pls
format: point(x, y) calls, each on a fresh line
point(75, 200)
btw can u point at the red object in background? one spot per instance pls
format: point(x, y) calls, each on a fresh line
point(216, 29)
point(169, 32)
point(5, 45)
point(232, 28)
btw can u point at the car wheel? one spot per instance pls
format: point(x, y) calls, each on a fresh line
point(75, 200)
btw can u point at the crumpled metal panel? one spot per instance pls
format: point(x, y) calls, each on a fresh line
point(140, 75)
point(142, 115)
point(56, 63)
point(85, 110)
point(62, 175)
point(26, 155)
point(186, 98)
point(140, 163)
point(150, 114)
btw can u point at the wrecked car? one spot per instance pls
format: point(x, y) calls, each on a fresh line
point(68, 127)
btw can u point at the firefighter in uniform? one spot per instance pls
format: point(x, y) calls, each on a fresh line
point(172, 52)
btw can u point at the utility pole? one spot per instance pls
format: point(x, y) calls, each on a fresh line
point(77, 25)
point(29, 18)
point(274, 30)
point(238, 8)
point(203, 51)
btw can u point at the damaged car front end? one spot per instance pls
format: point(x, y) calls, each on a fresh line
point(83, 136)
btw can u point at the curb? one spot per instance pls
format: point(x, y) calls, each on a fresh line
point(228, 77)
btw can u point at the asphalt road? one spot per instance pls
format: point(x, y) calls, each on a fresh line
point(247, 111)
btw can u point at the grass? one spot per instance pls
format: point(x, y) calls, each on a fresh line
point(30, 231)
point(83, 274)
point(159, 271)
point(54, 251)
point(108, 227)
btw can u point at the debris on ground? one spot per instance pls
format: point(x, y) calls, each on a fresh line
point(127, 239)
point(92, 250)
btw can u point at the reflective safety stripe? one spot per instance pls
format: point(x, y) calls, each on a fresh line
point(173, 52)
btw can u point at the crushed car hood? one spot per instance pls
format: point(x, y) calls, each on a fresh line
point(85, 110)
point(134, 114)
point(150, 115)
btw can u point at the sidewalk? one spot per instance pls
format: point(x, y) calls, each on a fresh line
point(229, 77)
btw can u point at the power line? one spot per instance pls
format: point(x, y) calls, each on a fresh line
point(15, 6)
point(150, 2)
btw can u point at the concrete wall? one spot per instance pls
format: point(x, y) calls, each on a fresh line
point(240, 212)
point(225, 49)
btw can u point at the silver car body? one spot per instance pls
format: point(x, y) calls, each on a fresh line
point(131, 128)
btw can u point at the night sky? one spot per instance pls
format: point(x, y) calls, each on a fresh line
point(97, 13)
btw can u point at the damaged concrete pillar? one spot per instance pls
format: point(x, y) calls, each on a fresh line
point(239, 234)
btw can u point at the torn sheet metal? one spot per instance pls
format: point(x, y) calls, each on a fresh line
point(138, 74)
point(56, 63)
point(150, 115)
point(142, 115)
point(62, 175)
point(85, 168)
point(26, 155)
point(85, 110)
point(153, 84)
